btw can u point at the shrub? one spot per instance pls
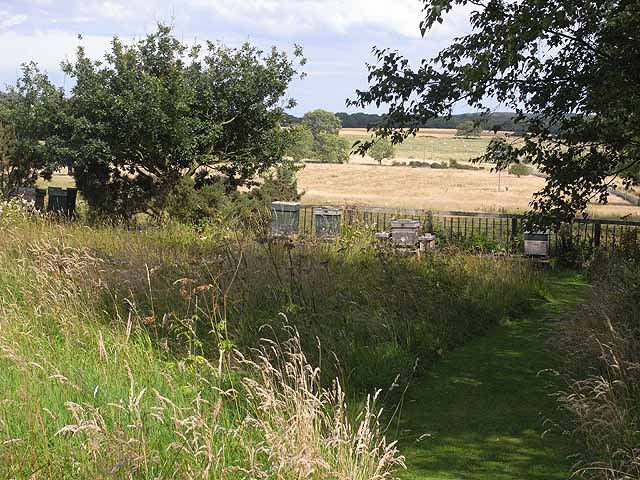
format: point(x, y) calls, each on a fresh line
point(520, 169)
point(453, 163)
point(438, 165)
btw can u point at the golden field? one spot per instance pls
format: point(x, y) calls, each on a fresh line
point(451, 189)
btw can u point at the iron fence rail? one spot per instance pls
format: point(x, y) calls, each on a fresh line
point(460, 226)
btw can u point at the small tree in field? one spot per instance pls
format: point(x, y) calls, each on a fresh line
point(468, 128)
point(382, 149)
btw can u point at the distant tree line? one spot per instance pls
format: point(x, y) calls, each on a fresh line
point(497, 121)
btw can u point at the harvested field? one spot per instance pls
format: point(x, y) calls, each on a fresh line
point(450, 189)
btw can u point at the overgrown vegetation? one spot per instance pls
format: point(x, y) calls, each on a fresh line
point(599, 345)
point(117, 347)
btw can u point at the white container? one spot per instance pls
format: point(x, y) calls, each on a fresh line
point(536, 244)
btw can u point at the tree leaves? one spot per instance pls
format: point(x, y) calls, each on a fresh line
point(570, 69)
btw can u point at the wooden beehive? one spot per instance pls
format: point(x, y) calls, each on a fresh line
point(404, 233)
point(285, 218)
point(327, 221)
point(62, 201)
point(536, 244)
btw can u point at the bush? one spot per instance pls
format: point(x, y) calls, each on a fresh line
point(194, 204)
point(439, 165)
point(453, 163)
point(520, 169)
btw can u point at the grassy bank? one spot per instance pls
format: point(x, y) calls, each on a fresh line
point(117, 347)
point(600, 401)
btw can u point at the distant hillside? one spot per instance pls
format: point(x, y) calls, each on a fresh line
point(501, 120)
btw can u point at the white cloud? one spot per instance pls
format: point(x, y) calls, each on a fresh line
point(294, 17)
point(8, 20)
point(47, 48)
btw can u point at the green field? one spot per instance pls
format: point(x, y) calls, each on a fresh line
point(434, 145)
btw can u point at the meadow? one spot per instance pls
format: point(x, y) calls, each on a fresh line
point(174, 352)
point(366, 183)
point(429, 144)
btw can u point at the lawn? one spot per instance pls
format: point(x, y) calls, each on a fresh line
point(485, 404)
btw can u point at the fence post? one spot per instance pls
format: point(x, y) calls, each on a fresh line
point(597, 233)
point(514, 228)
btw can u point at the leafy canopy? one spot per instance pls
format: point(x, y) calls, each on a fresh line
point(318, 138)
point(321, 121)
point(570, 69)
point(151, 114)
point(301, 146)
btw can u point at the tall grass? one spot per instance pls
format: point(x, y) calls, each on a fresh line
point(120, 349)
point(600, 345)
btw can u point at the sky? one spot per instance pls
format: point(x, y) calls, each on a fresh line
point(337, 35)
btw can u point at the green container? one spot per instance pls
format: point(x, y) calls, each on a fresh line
point(57, 200)
point(327, 221)
point(62, 201)
point(285, 218)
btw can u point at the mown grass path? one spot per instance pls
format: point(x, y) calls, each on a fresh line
point(485, 404)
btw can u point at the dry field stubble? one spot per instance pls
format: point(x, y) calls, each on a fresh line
point(450, 189)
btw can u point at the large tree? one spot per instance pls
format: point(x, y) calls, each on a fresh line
point(328, 145)
point(570, 69)
point(151, 114)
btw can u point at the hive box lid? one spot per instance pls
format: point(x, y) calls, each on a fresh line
point(285, 206)
point(326, 211)
point(405, 223)
point(536, 236)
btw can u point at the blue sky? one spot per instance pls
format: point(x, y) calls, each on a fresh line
point(337, 35)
